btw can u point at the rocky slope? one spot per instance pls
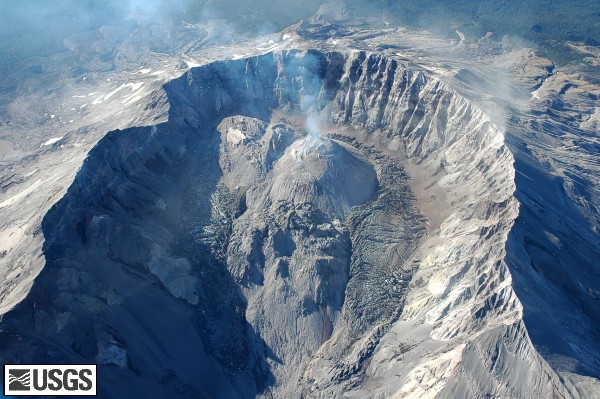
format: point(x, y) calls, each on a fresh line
point(281, 252)
point(304, 219)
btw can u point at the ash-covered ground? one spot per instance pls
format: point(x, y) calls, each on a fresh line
point(340, 209)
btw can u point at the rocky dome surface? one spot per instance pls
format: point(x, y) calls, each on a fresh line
point(324, 174)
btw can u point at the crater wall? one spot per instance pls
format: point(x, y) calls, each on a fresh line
point(179, 261)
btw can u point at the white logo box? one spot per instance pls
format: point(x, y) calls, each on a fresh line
point(50, 379)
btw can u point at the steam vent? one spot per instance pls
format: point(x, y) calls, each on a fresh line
point(302, 223)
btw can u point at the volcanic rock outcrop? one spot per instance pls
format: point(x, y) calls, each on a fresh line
point(311, 223)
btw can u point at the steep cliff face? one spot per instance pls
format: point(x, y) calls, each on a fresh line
point(305, 223)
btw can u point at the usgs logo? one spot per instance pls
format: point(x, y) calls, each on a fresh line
point(55, 380)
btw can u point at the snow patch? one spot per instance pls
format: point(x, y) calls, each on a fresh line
point(112, 93)
point(192, 64)
point(20, 196)
point(134, 86)
point(52, 141)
